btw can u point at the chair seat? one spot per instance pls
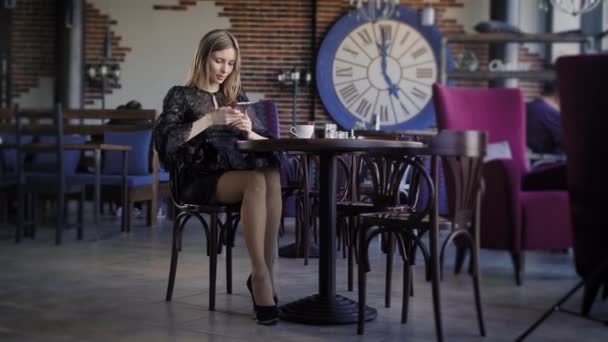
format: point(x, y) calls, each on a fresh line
point(163, 176)
point(355, 208)
point(389, 215)
point(290, 190)
point(399, 216)
point(211, 208)
point(115, 180)
point(8, 179)
point(44, 182)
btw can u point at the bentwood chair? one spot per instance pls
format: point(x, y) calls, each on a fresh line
point(386, 172)
point(218, 232)
point(462, 157)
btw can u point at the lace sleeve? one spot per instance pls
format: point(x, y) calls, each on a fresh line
point(171, 130)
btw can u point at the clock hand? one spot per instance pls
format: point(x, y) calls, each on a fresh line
point(393, 89)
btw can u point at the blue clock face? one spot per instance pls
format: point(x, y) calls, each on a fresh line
point(385, 68)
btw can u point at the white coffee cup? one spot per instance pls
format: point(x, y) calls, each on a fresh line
point(303, 131)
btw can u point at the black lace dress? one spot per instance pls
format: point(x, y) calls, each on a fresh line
point(201, 161)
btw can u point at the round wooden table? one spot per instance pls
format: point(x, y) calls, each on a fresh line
point(327, 307)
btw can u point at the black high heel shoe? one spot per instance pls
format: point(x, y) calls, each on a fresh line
point(265, 315)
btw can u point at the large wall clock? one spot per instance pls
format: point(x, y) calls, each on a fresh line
point(383, 67)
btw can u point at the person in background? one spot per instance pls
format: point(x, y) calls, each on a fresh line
point(196, 134)
point(543, 126)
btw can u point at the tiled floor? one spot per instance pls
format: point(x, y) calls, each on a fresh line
point(111, 287)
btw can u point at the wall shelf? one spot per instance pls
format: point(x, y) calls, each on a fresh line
point(585, 41)
point(544, 75)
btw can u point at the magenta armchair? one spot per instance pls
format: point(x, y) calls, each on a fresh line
point(519, 212)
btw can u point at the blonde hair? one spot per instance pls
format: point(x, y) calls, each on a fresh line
point(198, 76)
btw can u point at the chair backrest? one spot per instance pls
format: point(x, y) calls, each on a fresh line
point(498, 111)
point(584, 102)
point(122, 127)
point(267, 114)
point(462, 155)
point(385, 172)
point(47, 128)
point(8, 157)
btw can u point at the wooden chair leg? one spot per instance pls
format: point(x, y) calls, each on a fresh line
point(476, 288)
point(390, 240)
point(128, 211)
point(361, 288)
point(60, 217)
point(150, 213)
point(212, 243)
point(21, 205)
point(518, 265)
point(407, 289)
point(350, 262)
point(227, 236)
point(174, 255)
point(461, 254)
point(306, 230)
point(80, 232)
point(32, 208)
point(350, 244)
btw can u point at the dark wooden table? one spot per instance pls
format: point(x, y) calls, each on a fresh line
point(97, 148)
point(327, 307)
point(423, 135)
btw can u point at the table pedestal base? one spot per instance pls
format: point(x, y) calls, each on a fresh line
point(319, 311)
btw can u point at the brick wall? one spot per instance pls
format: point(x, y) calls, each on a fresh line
point(96, 24)
point(275, 35)
point(32, 44)
point(278, 35)
point(34, 39)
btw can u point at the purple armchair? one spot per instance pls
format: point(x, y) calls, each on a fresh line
point(518, 212)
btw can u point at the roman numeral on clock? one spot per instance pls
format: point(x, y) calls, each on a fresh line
point(351, 51)
point(407, 112)
point(344, 72)
point(383, 113)
point(365, 36)
point(349, 93)
point(424, 72)
point(386, 31)
point(363, 108)
point(407, 34)
point(419, 93)
point(421, 51)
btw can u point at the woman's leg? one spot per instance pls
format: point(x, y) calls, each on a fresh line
point(274, 203)
point(249, 187)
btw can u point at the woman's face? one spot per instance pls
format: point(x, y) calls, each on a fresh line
point(220, 65)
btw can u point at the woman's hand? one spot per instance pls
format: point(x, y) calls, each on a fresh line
point(242, 122)
point(224, 116)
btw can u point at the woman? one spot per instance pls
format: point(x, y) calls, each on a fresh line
point(196, 133)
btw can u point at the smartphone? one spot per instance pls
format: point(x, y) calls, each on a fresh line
point(244, 107)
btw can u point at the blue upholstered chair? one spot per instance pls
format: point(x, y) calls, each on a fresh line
point(142, 171)
point(50, 170)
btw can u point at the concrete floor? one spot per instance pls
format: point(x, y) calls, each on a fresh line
point(111, 287)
